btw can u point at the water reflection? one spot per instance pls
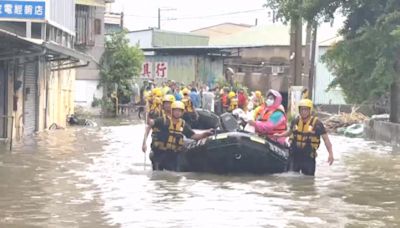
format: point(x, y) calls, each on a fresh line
point(95, 177)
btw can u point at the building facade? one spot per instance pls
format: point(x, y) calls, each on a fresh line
point(323, 96)
point(37, 65)
point(266, 65)
point(182, 57)
point(90, 32)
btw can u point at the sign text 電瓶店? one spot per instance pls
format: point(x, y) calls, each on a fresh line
point(23, 9)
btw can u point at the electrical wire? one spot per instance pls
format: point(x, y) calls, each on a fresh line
point(201, 17)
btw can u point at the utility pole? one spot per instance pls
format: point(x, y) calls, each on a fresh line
point(122, 20)
point(159, 18)
point(307, 56)
point(299, 51)
point(292, 69)
point(312, 71)
point(296, 51)
point(159, 15)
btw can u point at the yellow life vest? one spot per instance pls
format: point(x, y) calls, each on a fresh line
point(233, 104)
point(173, 139)
point(155, 131)
point(304, 136)
point(155, 109)
point(188, 104)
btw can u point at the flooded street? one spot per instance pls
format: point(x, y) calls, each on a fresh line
point(95, 177)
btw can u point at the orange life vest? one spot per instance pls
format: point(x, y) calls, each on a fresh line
point(264, 114)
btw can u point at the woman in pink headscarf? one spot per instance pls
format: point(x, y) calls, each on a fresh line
point(270, 117)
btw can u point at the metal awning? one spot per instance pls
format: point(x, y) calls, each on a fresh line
point(61, 51)
point(14, 46)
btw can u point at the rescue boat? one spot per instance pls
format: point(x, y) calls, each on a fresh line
point(232, 150)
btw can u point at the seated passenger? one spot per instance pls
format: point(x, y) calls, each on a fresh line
point(270, 117)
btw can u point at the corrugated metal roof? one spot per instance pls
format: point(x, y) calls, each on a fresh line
point(165, 38)
point(274, 35)
point(270, 35)
point(99, 3)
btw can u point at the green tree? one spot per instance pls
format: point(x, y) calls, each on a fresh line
point(366, 62)
point(119, 65)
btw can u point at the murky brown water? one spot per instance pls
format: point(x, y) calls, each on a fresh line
point(95, 177)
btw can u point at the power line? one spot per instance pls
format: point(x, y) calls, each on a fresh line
point(222, 14)
point(202, 17)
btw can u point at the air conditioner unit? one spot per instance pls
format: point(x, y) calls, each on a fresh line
point(274, 70)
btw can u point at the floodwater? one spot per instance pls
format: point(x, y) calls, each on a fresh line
point(96, 177)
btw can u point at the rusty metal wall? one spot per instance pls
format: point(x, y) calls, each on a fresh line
point(189, 68)
point(210, 69)
point(180, 68)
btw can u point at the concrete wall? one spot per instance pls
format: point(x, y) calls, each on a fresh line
point(253, 68)
point(383, 131)
point(87, 78)
point(92, 72)
point(266, 53)
point(85, 90)
point(323, 78)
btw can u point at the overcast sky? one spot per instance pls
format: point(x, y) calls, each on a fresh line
point(187, 15)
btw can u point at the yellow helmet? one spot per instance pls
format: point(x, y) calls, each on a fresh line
point(232, 94)
point(306, 103)
point(157, 100)
point(258, 93)
point(178, 105)
point(169, 98)
point(185, 91)
point(166, 89)
point(157, 92)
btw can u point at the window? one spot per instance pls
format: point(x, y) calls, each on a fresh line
point(85, 25)
point(277, 70)
point(97, 26)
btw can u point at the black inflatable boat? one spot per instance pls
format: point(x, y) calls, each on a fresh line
point(206, 120)
point(231, 151)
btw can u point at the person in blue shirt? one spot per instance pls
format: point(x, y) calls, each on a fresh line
point(195, 98)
